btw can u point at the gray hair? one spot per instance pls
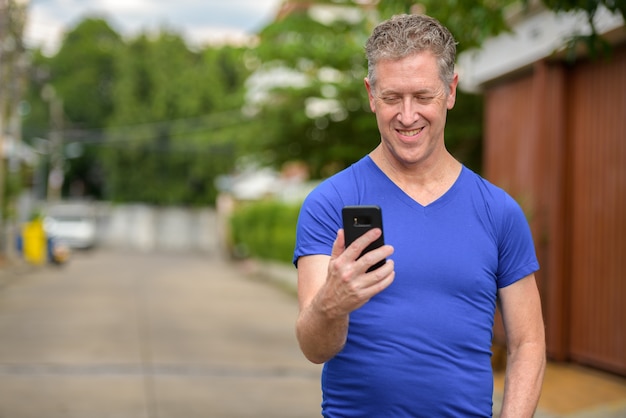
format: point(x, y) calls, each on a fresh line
point(405, 35)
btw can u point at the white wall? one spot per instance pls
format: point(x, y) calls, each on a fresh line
point(147, 228)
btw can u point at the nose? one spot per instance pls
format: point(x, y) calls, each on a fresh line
point(408, 112)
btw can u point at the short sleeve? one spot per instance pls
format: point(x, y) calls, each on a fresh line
point(516, 250)
point(318, 222)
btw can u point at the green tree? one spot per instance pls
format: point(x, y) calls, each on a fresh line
point(145, 119)
point(595, 44)
point(312, 102)
point(470, 21)
point(166, 140)
point(81, 73)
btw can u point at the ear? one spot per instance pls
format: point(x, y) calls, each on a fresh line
point(452, 95)
point(370, 95)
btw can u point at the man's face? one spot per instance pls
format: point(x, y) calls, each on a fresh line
point(411, 102)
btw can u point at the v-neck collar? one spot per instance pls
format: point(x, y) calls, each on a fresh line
point(400, 194)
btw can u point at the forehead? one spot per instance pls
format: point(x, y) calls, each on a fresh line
point(418, 70)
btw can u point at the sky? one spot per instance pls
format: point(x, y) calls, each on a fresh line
point(199, 21)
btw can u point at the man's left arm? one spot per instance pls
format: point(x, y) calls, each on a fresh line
point(526, 347)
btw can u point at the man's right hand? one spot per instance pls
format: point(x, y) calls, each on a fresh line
point(348, 284)
point(329, 288)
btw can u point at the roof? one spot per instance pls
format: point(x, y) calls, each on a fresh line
point(533, 37)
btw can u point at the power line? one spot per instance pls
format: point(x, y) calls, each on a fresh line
point(145, 131)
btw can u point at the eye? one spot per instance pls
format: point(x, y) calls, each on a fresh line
point(390, 99)
point(424, 99)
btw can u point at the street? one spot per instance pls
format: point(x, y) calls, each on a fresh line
point(127, 334)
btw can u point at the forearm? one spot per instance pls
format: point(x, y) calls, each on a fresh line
point(524, 377)
point(320, 336)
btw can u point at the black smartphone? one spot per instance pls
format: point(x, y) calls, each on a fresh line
point(357, 220)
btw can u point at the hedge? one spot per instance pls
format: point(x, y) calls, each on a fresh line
point(264, 229)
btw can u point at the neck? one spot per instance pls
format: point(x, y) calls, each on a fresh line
point(425, 182)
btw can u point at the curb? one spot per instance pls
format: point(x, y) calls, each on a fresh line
point(283, 275)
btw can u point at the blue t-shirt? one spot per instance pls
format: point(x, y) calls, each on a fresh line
point(421, 348)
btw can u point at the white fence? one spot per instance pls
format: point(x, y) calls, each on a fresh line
point(148, 228)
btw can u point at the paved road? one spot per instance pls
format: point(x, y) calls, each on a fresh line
point(116, 334)
point(120, 335)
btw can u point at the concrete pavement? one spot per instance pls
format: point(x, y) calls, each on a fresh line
point(155, 336)
point(116, 334)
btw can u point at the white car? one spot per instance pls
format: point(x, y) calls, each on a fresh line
point(73, 224)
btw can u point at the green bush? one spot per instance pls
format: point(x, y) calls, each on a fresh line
point(265, 230)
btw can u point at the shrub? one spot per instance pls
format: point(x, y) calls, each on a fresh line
point(264, 229)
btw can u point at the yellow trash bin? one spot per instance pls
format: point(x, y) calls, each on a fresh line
point(34, 242)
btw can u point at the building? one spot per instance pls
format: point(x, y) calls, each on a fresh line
point(555, 138)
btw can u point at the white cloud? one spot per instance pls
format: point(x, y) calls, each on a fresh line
point(129, 6)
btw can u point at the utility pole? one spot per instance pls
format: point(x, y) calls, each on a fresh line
point(55, 175)
point(4, 81)
point(12, 68)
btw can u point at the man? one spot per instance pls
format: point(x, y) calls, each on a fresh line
point(412, 338)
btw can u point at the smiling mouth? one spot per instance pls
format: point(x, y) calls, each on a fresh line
point(410, 133)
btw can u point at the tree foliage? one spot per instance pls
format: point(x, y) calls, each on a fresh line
point(82, 72)
point(145, 119)
point(148, 119)
point(321, 117)
point(470, 21)
point(81, 75)
point(595, 44)
point(169, 129)
point(589, 7)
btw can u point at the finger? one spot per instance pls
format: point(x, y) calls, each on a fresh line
point(380, 273)
point(373, 257)
point(375, 282)
point(381, 278)
point(355, 249)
